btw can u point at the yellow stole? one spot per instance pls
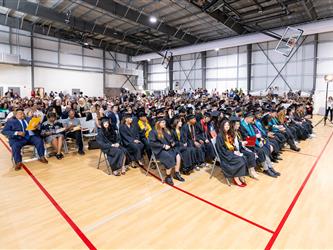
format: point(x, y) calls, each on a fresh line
point(178, 134)
point(145, 126)
point(229, 143)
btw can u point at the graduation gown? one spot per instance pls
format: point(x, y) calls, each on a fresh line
point(188, 154)
point(207, 147)
point(247, 130)
point(115, 155)
point(248, 154)
point(166, 157)
point(232, 165)
point(186, 137)
point(128, 135)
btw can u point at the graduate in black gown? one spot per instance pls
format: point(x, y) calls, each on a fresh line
point(130, 138)
point(233, 162)
point(240, 145)
point(188, 135)
point(187, 154)
point(164, 148)
point(202, 130)
point(109, 143)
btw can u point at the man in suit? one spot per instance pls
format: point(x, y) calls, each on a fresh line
point(114, 116)
point(15, 130)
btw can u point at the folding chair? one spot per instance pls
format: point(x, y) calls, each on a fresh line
point(100, 161)
point(153, 160)
point(89, 126)
point(34, 155)
point(217, 159)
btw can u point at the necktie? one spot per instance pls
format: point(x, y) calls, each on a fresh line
point(26, 136)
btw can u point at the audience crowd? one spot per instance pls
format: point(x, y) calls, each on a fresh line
point(185, 131)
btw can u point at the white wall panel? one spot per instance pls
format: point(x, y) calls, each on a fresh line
point(45, 56)
point(65, 80)
point(93, 62)
point(70, 60)
point(4, 48)
point(45, 44)
point(16, 76)
point(70, 48)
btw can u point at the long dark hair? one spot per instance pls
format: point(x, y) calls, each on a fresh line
point(221, 130)
point(109, 132)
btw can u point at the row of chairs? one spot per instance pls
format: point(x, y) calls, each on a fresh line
point(153, 160)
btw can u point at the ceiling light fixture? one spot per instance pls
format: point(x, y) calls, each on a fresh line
point(217, 49)
point(153, 19)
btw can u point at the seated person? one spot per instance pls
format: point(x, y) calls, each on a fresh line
point(144, 130)
point(202, 130)
point(240, 145)
point(15, 130)
point(73, 130)
point(53, 133)
point(130, 139)
point(233, 162)
point(109, 143)
point(165, 151)
point(187, 154)
point(188, 135)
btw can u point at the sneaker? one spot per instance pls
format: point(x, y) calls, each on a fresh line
point(81, 152)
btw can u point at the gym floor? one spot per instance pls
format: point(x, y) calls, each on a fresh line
point(70, 204)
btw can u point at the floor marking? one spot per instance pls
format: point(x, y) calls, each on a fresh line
point(290, 208)
point(122, 211)
point(56, 205)
point(214, 205)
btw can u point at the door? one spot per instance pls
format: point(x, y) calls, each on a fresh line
point(16, 90)
point(75, 91)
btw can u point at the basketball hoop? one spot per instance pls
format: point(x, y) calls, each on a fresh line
point(288, 41)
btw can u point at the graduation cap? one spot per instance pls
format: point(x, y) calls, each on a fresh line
point(234, 118)
point(190, 117)
point(142, 114)
point(161, 118)
point(160, 111)
point(208, 114)
point(238, 110)
point(215, 113)
point(127, 115)
point(248, 114)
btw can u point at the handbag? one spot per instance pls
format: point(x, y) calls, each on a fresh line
point(92, 144)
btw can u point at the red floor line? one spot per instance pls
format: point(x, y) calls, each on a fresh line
point(216, 206)
point(290, 208)
point(56, 205)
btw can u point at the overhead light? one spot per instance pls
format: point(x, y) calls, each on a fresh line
point(148, 59)
point(217, 49)
point(328, 78)
point(153, 19)
point(85, 43)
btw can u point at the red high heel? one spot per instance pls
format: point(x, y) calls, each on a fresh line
point(239, 185)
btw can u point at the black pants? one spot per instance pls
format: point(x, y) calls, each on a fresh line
point(78, 138)
point(329, 110)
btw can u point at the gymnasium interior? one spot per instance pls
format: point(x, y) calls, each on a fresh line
point(133, 65)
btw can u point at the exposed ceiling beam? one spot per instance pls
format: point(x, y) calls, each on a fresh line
point(310, 9)
point(77, 23)
point(18, 23)
point(225, 19)
point(124, 11)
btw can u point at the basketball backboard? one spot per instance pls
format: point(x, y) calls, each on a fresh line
point(288, 41)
